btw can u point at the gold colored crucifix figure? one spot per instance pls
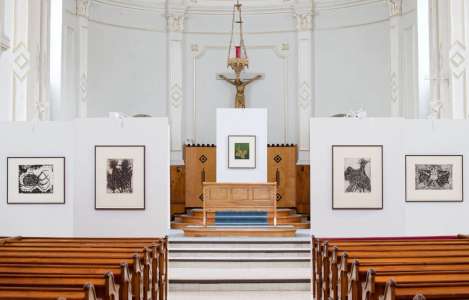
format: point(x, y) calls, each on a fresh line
point(240, 99)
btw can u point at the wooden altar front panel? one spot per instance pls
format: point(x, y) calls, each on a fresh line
point(240, 197)
point(281, 168)
point(200, 162)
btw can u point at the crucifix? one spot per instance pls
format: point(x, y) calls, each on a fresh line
point(240, 61)
point(240, 85)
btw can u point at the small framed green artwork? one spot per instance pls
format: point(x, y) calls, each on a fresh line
point(241, 152)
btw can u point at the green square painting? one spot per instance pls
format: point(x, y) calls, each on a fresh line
point(241, 150)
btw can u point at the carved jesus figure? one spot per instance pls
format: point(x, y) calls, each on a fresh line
point(240, 100)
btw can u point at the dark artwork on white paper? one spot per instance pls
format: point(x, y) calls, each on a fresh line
point(36, 179)
point(357, 174)
point(434, 177)
point(120, 176)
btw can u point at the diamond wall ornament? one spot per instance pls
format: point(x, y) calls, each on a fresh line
point(175, 95)
point(203, 159)
point(304, 96)
point(21, 61)
point(279, 197)
point(84, 86)
point(394, 88)
point(458, 62)
point(277, 158)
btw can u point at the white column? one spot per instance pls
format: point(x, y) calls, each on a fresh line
point(83, 7)
point(305, 80)
point(458, 57)
point(21, 60)
point(175, 87)
point(4, 41)
point(395, 13)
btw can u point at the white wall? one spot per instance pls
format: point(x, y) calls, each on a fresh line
point(250, 121)
point(37, 139)
point(76, 140)
point(398, 137)
point(126, 61)
point(154, 220)
point(351, 49)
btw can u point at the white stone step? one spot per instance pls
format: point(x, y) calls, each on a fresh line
point(239, 262)
point(237, 279)
point(233, 295)
point(239, 245)
point(244, 252)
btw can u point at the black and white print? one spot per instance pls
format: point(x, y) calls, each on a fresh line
point(120, 176)
point(35, 179)
point(357, 175)
point(433, 177)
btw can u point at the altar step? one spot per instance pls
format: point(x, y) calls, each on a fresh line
point(239, 264)
point(285, 216)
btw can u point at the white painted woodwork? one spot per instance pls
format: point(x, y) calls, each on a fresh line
point(4, 40)
point(83, 11)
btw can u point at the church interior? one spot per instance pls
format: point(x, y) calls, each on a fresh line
point(234, 149)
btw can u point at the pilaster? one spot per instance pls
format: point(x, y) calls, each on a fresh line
point(83, 10)
point(395, 13)
point(458, 57)
point(304, 21)
point(175, 28)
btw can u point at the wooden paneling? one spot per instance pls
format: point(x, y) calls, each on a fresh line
point(303, 189)
point(281, 168)
point(200, 167)
point(240, 196)
point(178, 205)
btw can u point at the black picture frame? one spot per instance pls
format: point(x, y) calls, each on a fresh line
point(434, 155)
point(382, 177)
point(144, 178)
point(255, 149)
point(37, 203)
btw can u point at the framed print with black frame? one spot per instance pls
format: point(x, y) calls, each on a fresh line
point(434, 178)
point(119, 177)
point(241, 152)
point(35, 180)
point(357, 177)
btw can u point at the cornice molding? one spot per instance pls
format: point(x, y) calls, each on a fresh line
point(226, 6)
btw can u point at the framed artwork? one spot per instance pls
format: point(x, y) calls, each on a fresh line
point(120, 177)
point(35, 180)
point(357, 177)
point(241, 152)
point(434, 178)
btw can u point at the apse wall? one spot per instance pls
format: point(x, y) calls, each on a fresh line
point(398, 137)
point(352, 59)
point(127, 61)
point(75, 141)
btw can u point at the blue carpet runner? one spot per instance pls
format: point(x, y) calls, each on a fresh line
point(241, 218)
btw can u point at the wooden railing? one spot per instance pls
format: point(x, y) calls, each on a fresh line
point(240, 197)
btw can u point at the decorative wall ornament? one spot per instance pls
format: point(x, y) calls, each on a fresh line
point(304, 21)
point(83, 87)
point(83, 8)
point(176, 23)
point(4, 43)
point(458, 59)
point(395, 8)
point(304, 94)
point(394, 87)
point(176, 95)
point(435, 106)
point(42, 108)
point(21, 61)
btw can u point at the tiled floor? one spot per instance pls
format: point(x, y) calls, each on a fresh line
point(240, 296)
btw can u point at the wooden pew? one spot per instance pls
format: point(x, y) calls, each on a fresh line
point(376, 282)
point(159, 281)
point(397, 291)
point(325, 267)
point(32, 293)
point(96, 251)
